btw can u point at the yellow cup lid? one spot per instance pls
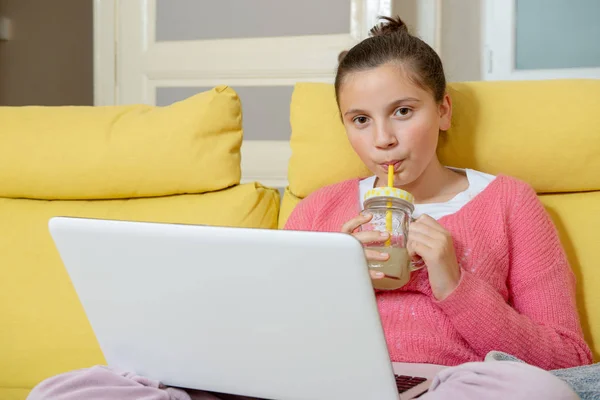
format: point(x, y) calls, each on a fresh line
point(389, 192)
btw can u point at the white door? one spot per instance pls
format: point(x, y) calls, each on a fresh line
point(541, 39)
point(167, 50)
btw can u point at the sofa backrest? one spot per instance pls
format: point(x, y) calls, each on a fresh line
point(544, 132)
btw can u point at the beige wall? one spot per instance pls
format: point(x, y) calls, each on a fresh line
point(407, 10)
point(461, 47)
point(49, 60)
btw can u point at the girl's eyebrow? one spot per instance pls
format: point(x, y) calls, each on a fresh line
point(393, 103)
point(354, 111)
point(405, 100)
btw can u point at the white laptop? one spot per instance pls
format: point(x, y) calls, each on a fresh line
point(263, 313)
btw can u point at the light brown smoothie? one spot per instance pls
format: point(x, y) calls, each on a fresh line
point(396, 269)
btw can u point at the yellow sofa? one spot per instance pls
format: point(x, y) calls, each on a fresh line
point(544, 132)
point(174, 164)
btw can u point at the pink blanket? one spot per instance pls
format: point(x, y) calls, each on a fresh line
point(103, 383)
point(479, 380)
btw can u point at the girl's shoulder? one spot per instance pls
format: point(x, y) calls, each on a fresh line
point(503, 183)
point(494, 197)
point(324, 200)
point(325, 195)
point(508, 197)
point(513, 189)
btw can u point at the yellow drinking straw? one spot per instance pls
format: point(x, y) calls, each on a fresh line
point(388, 215)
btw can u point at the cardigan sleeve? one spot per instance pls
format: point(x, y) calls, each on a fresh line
point(540, 323)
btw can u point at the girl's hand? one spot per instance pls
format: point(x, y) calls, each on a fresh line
point(367, 237)
point(430, 241)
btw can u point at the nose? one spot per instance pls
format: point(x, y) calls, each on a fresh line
point(384, 136)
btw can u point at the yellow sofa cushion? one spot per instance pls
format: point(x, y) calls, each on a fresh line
point(577, 217)
point(192, 146)
point(14, 394)
point(544, 132)
point(44, 330)
point(321, 153)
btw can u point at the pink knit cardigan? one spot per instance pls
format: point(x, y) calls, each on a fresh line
point(516, 293)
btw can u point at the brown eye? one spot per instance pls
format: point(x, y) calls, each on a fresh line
point(360, 120)
point(402, 111)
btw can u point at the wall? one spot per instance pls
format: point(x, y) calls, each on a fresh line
point(262, 100)
point(49, 60)
point(461, 47)
point(462, 40)
point(235, 19)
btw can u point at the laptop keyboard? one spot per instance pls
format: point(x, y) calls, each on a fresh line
point(405, 382)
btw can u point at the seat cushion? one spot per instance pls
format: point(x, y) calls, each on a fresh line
point(544, 132)
point(44, 330)
point(192, 146)
point(13, 394)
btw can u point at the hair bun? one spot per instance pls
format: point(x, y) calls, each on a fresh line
point(389, 26)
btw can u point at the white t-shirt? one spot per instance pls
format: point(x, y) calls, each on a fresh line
point(478, 181)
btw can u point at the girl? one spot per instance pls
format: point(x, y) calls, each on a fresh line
point(496, 277)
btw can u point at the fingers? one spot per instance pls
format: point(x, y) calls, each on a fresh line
point(419, 246)
point(355, 222)
point(373, 255)
point(429, 222)
point(427, 230)
point(376, 274)
point(371, 236)
point(421, 238)
point(417, 249)
point(422, 228)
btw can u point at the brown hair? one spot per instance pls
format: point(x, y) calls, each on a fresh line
point(390, 42)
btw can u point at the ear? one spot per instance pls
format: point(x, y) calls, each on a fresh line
point(445, 109)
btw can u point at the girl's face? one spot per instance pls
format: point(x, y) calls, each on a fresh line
point(392, 121)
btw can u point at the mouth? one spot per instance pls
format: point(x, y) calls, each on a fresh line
point(395, 163)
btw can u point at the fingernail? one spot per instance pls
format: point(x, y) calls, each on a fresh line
point(379, 274)
point(384, 255)
point(384, 234)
